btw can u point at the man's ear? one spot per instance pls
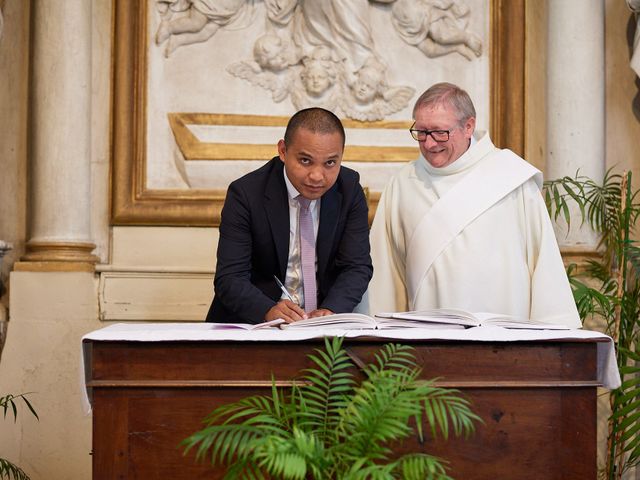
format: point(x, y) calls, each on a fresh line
point(469, 127)
point(282, 149)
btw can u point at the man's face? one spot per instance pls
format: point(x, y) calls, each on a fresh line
point(443, 117)
point(312, 161)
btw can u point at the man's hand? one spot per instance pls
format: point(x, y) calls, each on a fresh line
point(321, 312)
point(287, 310)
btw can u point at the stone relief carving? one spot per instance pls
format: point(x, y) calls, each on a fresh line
point(184, 22)
point(1, 23)
point(322, 52)
point(436, 27)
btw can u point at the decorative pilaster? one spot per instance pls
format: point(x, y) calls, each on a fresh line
point(60, 125)
point(576, 99)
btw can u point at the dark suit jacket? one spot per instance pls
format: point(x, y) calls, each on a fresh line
point(254, 245)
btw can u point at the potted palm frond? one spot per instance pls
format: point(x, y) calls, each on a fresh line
point(329, 425)
point(610, 291)
point(9, 470)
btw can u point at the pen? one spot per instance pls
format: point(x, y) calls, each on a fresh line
point(284, 290)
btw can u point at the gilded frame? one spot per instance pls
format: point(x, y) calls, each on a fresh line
point(132, 203)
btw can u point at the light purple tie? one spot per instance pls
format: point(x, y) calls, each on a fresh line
point(307, 254)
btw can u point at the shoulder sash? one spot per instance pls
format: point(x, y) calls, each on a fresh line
point(493, 179)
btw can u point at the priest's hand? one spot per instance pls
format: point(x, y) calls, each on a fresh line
point(320, 312)
point(287, 310)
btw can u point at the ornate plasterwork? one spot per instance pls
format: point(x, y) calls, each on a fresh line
point(322, 52)
point(138, 98)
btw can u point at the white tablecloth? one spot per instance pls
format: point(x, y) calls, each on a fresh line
point(608, 374)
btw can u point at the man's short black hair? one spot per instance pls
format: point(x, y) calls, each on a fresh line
point(316, 120)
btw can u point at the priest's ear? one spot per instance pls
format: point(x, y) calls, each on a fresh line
point(468, 127)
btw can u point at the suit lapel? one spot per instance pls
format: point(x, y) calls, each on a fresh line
point(329, 215)
point(276, 207)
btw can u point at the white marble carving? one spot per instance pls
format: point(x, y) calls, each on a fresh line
point(184, 22)
point(436, 27)
point(370, 98)
point(323, 52)
point(634, 5)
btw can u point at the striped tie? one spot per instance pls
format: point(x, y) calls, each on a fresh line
point(307, 254)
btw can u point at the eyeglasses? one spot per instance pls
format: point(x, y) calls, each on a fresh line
point(439, 136)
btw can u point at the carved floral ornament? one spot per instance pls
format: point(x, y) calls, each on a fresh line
point(321, 52)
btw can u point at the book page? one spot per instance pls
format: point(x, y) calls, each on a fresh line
point(337, 320)
point(508, 321)
point(247, 326)
point(442, 316)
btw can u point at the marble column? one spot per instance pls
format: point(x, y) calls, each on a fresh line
point(576, 99)
point(60, 136)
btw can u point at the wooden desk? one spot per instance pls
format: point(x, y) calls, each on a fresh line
point(537, 399)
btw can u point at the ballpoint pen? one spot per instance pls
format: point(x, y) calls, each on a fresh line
point(284, 290)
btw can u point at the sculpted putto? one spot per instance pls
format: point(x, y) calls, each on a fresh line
point(184, 22)
point(436, 27)
point(272, 56)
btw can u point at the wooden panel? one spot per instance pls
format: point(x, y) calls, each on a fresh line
point(537, 401)
point(219, 361)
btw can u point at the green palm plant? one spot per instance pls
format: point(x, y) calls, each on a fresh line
point(9, 470)
point(330, 426)
point(611, 209)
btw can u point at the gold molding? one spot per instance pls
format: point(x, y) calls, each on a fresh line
point(508, 74)
point(132, 203)
point(57, 257)
point(193, 149)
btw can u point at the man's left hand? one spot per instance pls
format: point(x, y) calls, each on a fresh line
point(320, 312)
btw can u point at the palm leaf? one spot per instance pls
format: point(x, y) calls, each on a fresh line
point(329, 426)
point(10, 471)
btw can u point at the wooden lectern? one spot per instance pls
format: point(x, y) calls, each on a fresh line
point(537, 400)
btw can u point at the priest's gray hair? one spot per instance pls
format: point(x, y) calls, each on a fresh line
point(450, 95)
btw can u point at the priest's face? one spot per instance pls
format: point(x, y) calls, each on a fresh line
point(312, 161)
point(443, 117)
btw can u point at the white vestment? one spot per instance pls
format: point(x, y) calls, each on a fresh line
point(504, 258)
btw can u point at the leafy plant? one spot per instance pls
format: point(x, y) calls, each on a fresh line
point(8, 404)
point(611, 210)
point(330, 426)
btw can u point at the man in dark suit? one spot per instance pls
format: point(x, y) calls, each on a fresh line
point(261, 228)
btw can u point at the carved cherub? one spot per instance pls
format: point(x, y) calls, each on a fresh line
point(272, 57)
point(184, 22)
point(317, 82)
point(371, 98)
point(436, 27)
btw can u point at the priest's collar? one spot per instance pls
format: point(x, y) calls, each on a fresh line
point(480, 146)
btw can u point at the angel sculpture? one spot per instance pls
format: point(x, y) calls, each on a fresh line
point(184, 22)
point(269, 69)
point(436, 27)
point(370, 98)
point(318, 83)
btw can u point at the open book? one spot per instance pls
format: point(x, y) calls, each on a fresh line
point(467, 319)
point(359, 321)
point(441, 318)
point(247, 326)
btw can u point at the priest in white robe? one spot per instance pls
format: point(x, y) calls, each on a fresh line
point(465, 225)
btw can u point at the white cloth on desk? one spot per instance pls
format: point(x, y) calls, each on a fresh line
point(608, 374)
